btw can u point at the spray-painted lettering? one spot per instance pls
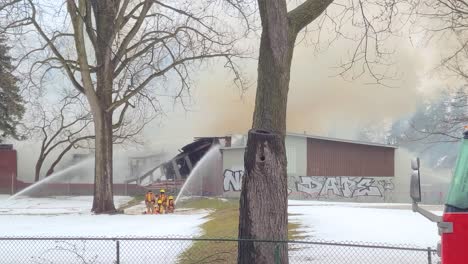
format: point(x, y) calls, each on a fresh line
point(348, 187)
point(317, 186)
point(366, 187)
point(233, 180)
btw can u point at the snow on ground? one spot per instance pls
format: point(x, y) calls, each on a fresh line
point(366, 205)
point(71, 217)
point(327, 221)
point(101, 225)
point(51, 205)
point(358, 222)
point(361, 223)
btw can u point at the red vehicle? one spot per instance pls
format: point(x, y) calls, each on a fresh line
point(453, 225)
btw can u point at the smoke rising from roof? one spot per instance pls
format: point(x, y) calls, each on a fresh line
point(319, 103)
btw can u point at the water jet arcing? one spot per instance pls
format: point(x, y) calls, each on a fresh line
point(205, 165)
point(52, 177)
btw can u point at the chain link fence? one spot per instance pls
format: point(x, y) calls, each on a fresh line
point(120, 250)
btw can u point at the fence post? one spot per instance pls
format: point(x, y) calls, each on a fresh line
point(117, 245)
point(13, 183)
point(277, 254)
point(429, 255)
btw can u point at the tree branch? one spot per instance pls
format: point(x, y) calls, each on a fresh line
point(305, 13)
point(129, 37)
point(121, 116)
point(77, 21)
point(135, 91)
point(65, 151)
point(54, 49)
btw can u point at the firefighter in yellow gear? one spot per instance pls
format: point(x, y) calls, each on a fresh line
point(170, 205)
point(159, 208)
point(150, 199)
point(163, 197)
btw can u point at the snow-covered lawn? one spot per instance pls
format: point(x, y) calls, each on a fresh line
point(51, 205)
point(373, 223)
point(380, 224)
point(327, 221)
point(71, 217)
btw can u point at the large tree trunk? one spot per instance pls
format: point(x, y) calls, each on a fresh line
point(103, 190)
point(104, 13)
point(263, 205)
point(264, 199)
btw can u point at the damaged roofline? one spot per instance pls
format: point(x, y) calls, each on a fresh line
point(328, 139)
point(343, 140)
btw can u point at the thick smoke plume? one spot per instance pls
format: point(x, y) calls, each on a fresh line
point(319, 101)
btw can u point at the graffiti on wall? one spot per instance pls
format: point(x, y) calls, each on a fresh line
point(233, 180)
point(316, 186)
point(347, 187)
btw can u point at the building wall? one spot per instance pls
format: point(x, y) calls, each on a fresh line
point(233, 170)
point(346, 171)
point(8, 170)
point(362, 182)
point(402, 176)
point(341, 188)
point(233, 163)
point(331, 158)
point(296, 152)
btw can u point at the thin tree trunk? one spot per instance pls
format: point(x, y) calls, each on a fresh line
point(103, 184)
point(37, 173)
point(51, 169)
point(263, 206)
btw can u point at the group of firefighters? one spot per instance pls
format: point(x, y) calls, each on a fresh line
point(161, 204)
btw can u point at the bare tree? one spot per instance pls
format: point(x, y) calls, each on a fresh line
point(439, 121)
point(117, 53)
point(443, 20)
point(367, 25)
point(60, 130)
point(67, 124)
point(444, 23)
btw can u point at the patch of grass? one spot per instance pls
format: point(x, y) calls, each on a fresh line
point(209, 203)
point(223, 223)
point(136, 200)
point(293, 231)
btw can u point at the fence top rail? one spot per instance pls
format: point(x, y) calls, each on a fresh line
point(306, 242)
